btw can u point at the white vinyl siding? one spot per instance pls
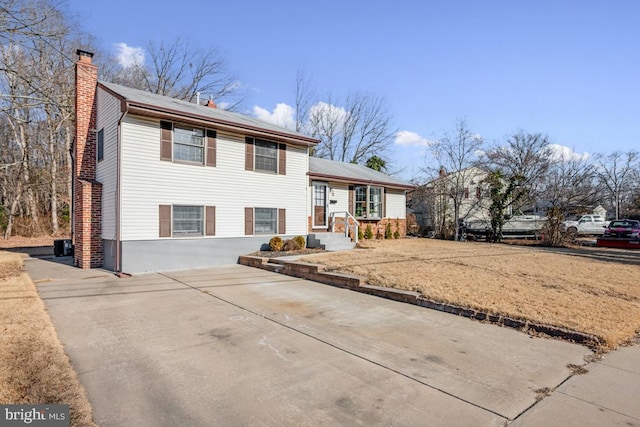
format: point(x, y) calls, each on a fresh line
point(109, 108)
point(396, 204)
point(149, 182)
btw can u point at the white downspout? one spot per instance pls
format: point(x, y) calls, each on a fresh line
point(118, 195)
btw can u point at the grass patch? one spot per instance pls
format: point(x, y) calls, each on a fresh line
point(590, 290)
point(34, 368)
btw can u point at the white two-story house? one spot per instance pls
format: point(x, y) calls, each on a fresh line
point(162, 184)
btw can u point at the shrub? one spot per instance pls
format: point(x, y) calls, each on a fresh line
point(360, 233)
point(368, 232)
point(300, 241)
point(396, 234)
point(388, 234)
point(275, 244)
point(290, 245)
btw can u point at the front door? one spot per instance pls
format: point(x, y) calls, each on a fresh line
point(319, 205)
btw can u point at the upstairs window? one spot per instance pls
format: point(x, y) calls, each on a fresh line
point(188, 145)
point(266, 156)
point(100, 145)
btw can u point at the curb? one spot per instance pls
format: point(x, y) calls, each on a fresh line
point(317, 273)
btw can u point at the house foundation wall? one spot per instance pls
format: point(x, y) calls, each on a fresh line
point(142, 256)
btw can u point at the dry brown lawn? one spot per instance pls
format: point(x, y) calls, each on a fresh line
point(34, 368)
point(589, 290)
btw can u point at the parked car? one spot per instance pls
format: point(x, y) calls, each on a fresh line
point(587, 224)
point(623, 228)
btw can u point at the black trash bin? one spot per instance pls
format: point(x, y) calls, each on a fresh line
point(62, 247)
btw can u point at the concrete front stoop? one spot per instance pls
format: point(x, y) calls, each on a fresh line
point(330, 241)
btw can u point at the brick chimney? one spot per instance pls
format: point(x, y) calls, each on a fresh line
point(211, 104)
point(87, 194)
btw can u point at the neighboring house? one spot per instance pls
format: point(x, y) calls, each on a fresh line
point(371, 197)
point(462, 192)
point(162, 184)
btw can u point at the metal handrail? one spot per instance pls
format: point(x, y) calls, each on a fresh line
point(347, 224)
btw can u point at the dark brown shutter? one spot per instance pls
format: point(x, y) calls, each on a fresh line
point(165, 220)
point(248, 155)
point(384, 203)
point(351, 201)
point(211, 147)
point(248, 221)
point(166, 134)
point(282, 159)
point(282, 221)
point(210, 221)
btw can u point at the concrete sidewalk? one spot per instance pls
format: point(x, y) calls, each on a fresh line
point(240, 346)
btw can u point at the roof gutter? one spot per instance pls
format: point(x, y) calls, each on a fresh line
point(150, 110)
point(347, 180)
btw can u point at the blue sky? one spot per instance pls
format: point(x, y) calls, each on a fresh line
point(568, 69)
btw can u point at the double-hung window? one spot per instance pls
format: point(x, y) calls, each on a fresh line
point(188, 144)
point(361, 201)
point(188, 221)
point(266, 221)
point(266, 156)
point(375, 202)
point(368, 201)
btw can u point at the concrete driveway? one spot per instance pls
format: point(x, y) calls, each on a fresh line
point(240, 346)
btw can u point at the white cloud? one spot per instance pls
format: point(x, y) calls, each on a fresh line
point(408, 138)
point(564, 153)
point(328, 112)
point(283, 115)
point(129, 56)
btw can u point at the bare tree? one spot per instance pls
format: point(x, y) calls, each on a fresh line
point(179, 70)
point(618, 174)
point(570, 187)
point(526, 156)
point(25, 18)
point(304, 99)
point(457, 159)
point(353, 133)
point(37, 105)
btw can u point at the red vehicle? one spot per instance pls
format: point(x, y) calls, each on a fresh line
point(623, 229)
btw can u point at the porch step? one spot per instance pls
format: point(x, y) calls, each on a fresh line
point(330, 241)
point(271, 266)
